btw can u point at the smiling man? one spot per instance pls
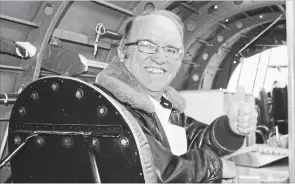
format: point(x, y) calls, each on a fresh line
point(149, 57)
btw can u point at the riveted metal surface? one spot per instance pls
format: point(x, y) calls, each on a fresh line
point(227, 9)
point(206, 27)
point(60, 152)
point(208, 73)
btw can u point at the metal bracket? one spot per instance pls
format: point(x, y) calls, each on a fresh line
point(67, 129)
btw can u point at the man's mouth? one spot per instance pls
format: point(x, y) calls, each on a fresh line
point(155, 70)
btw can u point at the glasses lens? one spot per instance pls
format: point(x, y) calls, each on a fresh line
point(172, 52)
point(147, 47)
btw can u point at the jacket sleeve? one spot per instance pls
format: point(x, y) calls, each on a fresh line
point(217, 136)
point(9, 47)
point(197, 165)
point(62, 61)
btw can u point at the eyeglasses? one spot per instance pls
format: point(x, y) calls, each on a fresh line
point(151, 48)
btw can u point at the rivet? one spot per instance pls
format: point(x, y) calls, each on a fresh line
point(124, 141)
point(54, 86)
point(220, 38)
point(190, 26)
point(149, 7)
point(239, 25)
point(261, 16)
point(102, 111)
point(195, 77)
point(235, 62)
point(22, 111)
point(226, 20)
point(67, 142)
point(48, 10)
point(94, 142)
point(79, 94)
point(205, 56)
point(34, 95)
point(40, 141)
point(17, 140)
point(212, 8)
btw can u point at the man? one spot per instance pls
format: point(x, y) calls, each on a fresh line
point(149, 57)
point(56, 59)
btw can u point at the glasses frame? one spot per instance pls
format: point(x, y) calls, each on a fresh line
point(138, 41)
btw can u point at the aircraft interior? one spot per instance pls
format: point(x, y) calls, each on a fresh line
point(47, 132)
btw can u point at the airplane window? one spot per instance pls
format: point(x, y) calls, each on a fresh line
point(265, 69)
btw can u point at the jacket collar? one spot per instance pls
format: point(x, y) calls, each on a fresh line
point(117, 79)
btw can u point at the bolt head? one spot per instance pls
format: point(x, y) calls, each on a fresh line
point(102, 111)
point(54, 87)
point(124, 142)
point(79, 94)
point(94, 142)
point(34, 95)
point(22, 111)
point(40, 141)
point(17, 140)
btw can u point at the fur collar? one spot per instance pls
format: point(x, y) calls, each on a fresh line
point(117, 79)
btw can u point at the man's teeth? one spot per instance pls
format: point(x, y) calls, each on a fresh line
point(154, 70)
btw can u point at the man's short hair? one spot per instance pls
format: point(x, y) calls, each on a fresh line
point(172, 16)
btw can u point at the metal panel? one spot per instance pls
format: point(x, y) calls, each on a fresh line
point(291, 84)
point(20, 9)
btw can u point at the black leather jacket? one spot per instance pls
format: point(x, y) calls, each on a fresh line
point(201, 163)
point(206, 143)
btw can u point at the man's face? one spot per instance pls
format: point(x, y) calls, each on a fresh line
point(154, 71)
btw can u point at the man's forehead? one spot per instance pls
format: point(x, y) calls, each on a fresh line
point(157, 27)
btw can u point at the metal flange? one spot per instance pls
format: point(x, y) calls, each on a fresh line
point(213, 56)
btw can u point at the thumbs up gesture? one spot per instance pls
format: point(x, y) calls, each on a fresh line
point(242, 113)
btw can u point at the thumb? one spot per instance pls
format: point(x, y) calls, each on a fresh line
point(240, 94)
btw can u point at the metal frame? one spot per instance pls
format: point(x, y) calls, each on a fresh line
point(290, 12)
point(80, 38)
point(115, 7)
point(44, 33)
point(260, 34)
point(214, 46)
point(19, 21)
point(191, 8)
point(9, 67)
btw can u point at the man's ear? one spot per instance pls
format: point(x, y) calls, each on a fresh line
point(121, 53)
point(121, 50)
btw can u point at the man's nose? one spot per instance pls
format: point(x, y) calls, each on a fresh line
point(159, 57)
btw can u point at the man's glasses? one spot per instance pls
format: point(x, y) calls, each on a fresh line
point(151, 48)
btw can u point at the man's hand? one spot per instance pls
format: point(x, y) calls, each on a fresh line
point(242, 113)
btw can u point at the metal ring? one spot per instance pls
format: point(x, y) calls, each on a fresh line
point(100, 29)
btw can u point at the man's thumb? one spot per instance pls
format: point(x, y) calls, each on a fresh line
point(240, 95)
